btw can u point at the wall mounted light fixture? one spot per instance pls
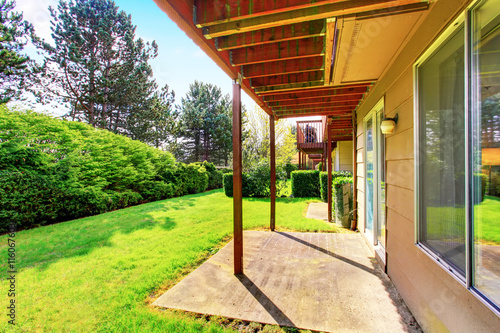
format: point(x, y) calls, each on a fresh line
point(388, 124)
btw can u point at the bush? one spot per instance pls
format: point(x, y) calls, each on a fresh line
point(324, 181)
point(191, 178)
point(338, 196)
point(305, 183)
point(289, 168)
point(226, 170)
point(257, 183)
point(319, 167)
point(228, 185)
point(53, 170)
point(214, 175)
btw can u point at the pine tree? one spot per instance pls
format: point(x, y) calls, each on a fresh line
point(205, 125)
point(96, 64)
point(14, 33)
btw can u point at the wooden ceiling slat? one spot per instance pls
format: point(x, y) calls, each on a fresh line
point(317, 100)
point(293, 49)
point(269, 81)
point(209, 12)
point(299, 65)
point(293, 114)
point(288, 87)
point(315, 12)
point(272, 35)
point(331, 105)
point(315, 92)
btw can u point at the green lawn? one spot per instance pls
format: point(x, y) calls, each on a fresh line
point(96, 274)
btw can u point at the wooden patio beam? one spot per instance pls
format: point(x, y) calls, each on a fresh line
point(318, 11)
point(237, 181)
point(317, 100)
point(276, 80)
point(288, 87)
point(293, 49)
point(272, 35)
point(328, 105)
point(329, 169)
point(272, 156)
point(317, 92)
point(331, 27)
point(209, 12)
point(288, 114)
point(300, 65)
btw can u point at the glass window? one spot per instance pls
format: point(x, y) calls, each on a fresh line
point(486, 147)
point(458, 150)
point(442, 153)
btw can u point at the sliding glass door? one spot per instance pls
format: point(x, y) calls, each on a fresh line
point(375, 177)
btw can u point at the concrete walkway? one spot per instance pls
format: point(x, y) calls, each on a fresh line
point(321, 282)
point(317, 210)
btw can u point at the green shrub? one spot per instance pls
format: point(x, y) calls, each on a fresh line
point(305, 183)
point(214, 175)
point(226, 170)
point(324, 181)
point(338, 197)
point(289, 168)
point(319, 167)
point(257, 182)
point(228, 185)
point(53, 170)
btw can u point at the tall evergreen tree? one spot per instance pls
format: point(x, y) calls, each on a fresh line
point(14, 33)
point(205, 125)
point(96, 64)
point(155, 122)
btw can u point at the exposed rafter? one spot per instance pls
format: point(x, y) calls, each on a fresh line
point(301, 65)
point(272, 35)
point(276, 80)
point(240, 24)
point(325, 106)
point(317, 92)
point(294, 49)
point(317, 100)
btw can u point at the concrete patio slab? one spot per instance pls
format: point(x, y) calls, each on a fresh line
point(317, 210)
point(321, 282)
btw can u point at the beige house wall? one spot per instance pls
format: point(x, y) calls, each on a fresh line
point(343, 156)
point(438, 301)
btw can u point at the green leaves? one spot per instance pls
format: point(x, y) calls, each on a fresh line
point(14, 33)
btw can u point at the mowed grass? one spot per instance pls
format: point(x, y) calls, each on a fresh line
point(97, 274)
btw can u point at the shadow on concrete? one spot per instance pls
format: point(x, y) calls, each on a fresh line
point(265, 301)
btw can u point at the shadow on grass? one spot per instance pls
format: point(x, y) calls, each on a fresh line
point(46, 245)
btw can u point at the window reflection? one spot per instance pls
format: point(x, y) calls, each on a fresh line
point(486, 115)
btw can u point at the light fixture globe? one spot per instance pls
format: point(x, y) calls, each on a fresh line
point(388, 124)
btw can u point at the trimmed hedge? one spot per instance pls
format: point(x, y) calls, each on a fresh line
point(323, 177)
point(305, 183)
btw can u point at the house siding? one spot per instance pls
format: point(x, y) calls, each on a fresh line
point(438, 301)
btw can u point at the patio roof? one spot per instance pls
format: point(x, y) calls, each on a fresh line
point(300, 57)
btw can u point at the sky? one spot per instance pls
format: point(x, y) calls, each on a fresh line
point(180, 61)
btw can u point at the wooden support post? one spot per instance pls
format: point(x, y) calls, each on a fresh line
point(237, 181)
point(273, 172)
point(329, 157)
point(354, 222)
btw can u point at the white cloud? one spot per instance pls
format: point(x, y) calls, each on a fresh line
point(37, 13)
